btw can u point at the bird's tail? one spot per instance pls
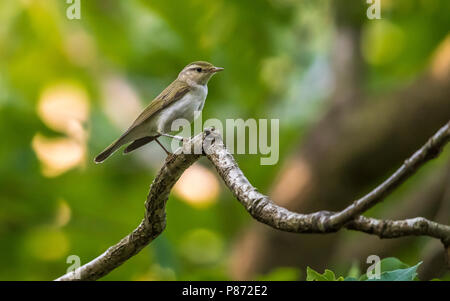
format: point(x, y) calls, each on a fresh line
point(108, 151)
point(138, 143)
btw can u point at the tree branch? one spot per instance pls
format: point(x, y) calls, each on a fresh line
point(150, 227)
point(262, 208)
point(429, 151)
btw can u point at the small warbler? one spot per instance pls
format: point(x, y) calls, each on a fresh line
point(181, 99)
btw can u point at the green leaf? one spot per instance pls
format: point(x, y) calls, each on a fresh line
point(391, 264)
point(407, 274)
point(328, 275)
point(312, 275)
point(388, 264)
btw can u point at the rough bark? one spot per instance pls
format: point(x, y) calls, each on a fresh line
point(261, 207)
point(355, 148)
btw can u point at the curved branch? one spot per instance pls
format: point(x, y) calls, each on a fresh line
point(150, 227)
point(262, 208)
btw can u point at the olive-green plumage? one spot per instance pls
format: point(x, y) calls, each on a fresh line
point(179, 100)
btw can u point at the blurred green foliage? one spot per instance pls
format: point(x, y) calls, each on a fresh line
point(391, 269)
point(276, 55)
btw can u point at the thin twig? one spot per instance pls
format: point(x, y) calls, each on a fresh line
point(428, 151)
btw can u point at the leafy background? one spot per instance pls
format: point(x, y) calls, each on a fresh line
point(69, 87)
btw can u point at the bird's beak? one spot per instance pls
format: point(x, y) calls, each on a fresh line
point(216, 69)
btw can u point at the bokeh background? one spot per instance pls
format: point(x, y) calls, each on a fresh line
point(354, 97)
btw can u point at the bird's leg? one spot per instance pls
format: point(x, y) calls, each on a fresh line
point(167, 152)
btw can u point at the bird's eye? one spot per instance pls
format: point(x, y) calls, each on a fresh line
point(198, 70)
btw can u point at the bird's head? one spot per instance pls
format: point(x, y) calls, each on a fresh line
point(198, 72)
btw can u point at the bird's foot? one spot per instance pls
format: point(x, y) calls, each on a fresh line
point(165, 150)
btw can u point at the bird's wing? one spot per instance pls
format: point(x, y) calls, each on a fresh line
point(175, 91)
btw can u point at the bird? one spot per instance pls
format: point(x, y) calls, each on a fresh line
point(181, 99)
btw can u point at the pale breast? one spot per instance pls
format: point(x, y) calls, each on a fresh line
point(182, 109)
